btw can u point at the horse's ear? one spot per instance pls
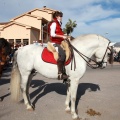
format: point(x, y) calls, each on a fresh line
point(111, 44)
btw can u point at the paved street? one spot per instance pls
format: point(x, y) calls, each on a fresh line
point(98, 97)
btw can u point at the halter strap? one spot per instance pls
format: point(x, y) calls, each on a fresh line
point(98, 64)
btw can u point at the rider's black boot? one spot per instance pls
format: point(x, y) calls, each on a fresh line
point(61, 70)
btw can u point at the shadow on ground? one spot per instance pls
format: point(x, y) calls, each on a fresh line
point(60, 88)
point(5, 79)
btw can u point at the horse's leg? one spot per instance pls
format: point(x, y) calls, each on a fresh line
point(25, 83)
point(67, 102)
point(0, 70)
point(74, 87)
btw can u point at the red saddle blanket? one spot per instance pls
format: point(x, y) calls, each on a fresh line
point(49, 58)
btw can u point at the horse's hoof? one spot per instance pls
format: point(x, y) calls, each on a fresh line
point(67, 111)
point(77, 118)
point(31, 108)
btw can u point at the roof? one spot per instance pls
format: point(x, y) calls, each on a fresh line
point(23, 25)
point(4, 23)
point(38, 17)
point(44, 9)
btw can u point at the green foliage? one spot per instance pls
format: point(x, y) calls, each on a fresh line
point(69, 27)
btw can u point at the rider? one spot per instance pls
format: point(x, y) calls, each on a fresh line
point(56, 37)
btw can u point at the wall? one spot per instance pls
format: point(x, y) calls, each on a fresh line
point(30, 21)
point(15, 32)
point(45, 15)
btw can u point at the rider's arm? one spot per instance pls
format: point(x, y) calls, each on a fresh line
point(52, 31)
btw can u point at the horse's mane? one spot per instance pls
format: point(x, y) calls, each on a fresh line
point(88, 37)
point(5, 44)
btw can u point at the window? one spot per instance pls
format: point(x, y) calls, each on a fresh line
point(18, 41)
point(11, 40)
point(25, 41)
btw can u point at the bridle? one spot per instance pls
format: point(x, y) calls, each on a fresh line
point(93, 66)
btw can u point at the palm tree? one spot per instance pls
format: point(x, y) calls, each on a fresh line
point(69, 27)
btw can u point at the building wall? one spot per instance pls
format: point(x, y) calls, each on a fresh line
point(46, 15)
point(30, 21)
point(34, 35)
point(35, 22)
point(27, 26)
point(15, 32)
point(1, 26)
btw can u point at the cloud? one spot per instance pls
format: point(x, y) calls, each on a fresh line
point(92, 16)
point(109, 26)
point(92, 13)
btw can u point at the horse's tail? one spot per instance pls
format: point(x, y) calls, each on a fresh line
point(15, 80)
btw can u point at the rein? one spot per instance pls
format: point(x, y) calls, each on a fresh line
point(98, 64)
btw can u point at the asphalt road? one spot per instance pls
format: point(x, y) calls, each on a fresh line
point(98, 97)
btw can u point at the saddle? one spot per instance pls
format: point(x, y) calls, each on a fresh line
point(50, 55)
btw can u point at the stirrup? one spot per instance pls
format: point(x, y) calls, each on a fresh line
point(59, 76)
point(62, 76)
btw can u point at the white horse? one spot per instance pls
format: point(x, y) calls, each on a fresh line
point(29, 57)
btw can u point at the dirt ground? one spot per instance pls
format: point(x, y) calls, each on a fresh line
point(98, 97)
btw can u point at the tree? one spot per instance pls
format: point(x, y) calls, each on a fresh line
point(69, 27)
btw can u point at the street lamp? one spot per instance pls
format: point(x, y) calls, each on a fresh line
point(43, 31)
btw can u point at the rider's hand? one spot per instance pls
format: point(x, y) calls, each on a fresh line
point(65, 37)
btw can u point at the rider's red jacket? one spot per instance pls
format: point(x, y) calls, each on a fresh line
point(58, 31)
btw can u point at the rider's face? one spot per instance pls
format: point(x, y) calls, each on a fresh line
point(59, 18)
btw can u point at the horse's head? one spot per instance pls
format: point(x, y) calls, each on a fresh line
point(5, 50)
point(5, 45)
point(103, 55)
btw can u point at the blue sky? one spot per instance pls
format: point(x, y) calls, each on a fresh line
point(92, 16)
